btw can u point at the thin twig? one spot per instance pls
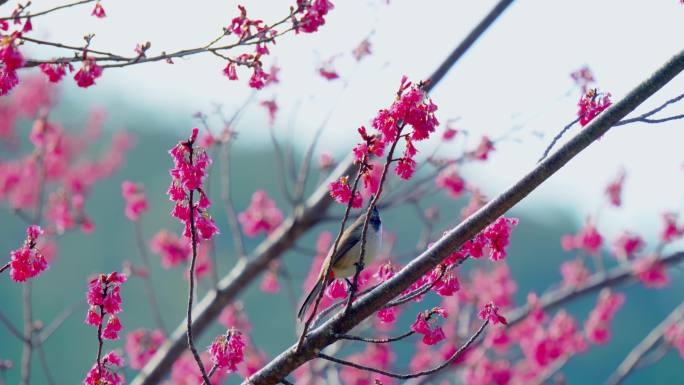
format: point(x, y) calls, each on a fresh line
point(28, 336)
point(557, 138)
point(410, 375)
point(44, 365)
point(41, 13)
point(191, 288)
point(12, 329)
point(57, 322)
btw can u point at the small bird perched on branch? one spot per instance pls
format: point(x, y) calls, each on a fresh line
point(347, 255)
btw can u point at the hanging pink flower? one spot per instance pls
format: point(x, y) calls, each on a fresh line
point(136, 202)
point(262, 215)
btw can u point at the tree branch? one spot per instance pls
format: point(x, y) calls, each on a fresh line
point(634, 357)
point(323, 336)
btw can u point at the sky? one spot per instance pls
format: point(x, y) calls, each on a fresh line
point(516, 76)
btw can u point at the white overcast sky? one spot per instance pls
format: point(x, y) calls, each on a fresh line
point(517, 74)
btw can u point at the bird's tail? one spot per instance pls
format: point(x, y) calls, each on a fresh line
point(310, 299)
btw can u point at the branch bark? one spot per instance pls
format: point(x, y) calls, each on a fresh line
point(324, 335)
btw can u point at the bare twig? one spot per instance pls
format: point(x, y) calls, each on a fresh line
point(557, 138)
point(407, 376)
point(191, 288)
point(45, 12)
point(28, 336)
point(12, 329)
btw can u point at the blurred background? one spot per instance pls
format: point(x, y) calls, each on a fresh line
point(513, 85)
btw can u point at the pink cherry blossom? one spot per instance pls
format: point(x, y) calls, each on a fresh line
point(588, 239)
point(136, 202)
point(98, 11)
point(574, 273)
point(270, 283)
point(85, 77)
point(490, 312)
point(583, 78)
point(109, 374)
point(262, 215)
point(337, 289)
point(272, 108)
point(141, 345)
point(28, 261)
point(449, 180)
point(671, 231)
point(614, 189)
point(362, 50)
point(651, 272)
point(591, 104)
point(227, 350)
point(187, 177)
point(421, 325)
point(597, 326)
point(626, 245)
point(172, 249)
point(341, 192)
point(112, 328)
point(313, 14)
point(483, 149)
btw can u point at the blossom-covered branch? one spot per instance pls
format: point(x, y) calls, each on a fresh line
point(368, 304)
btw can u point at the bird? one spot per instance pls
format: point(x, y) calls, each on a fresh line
point(347, 255)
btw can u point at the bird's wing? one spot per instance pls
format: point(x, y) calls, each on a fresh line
point(349, 239)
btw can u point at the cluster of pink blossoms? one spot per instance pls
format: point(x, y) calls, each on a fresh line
point(591, 104)
point(27, 261)
point(587, 239)
point(141, 345)
point(422, 326)
point(227, 350)
point(410, 108)
point(651, 272)
point(614, 189)
point(11, 60)
point(108, 373)
point(104, 298)
point(136, 202)
point(449, 180)
point(671, 230)
point(311, 16)
point(172, 248)
point(188, 173)
point(598, 324)
point(626, 245)
point(493, 241)
point(583, 78)
point(262, 215)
